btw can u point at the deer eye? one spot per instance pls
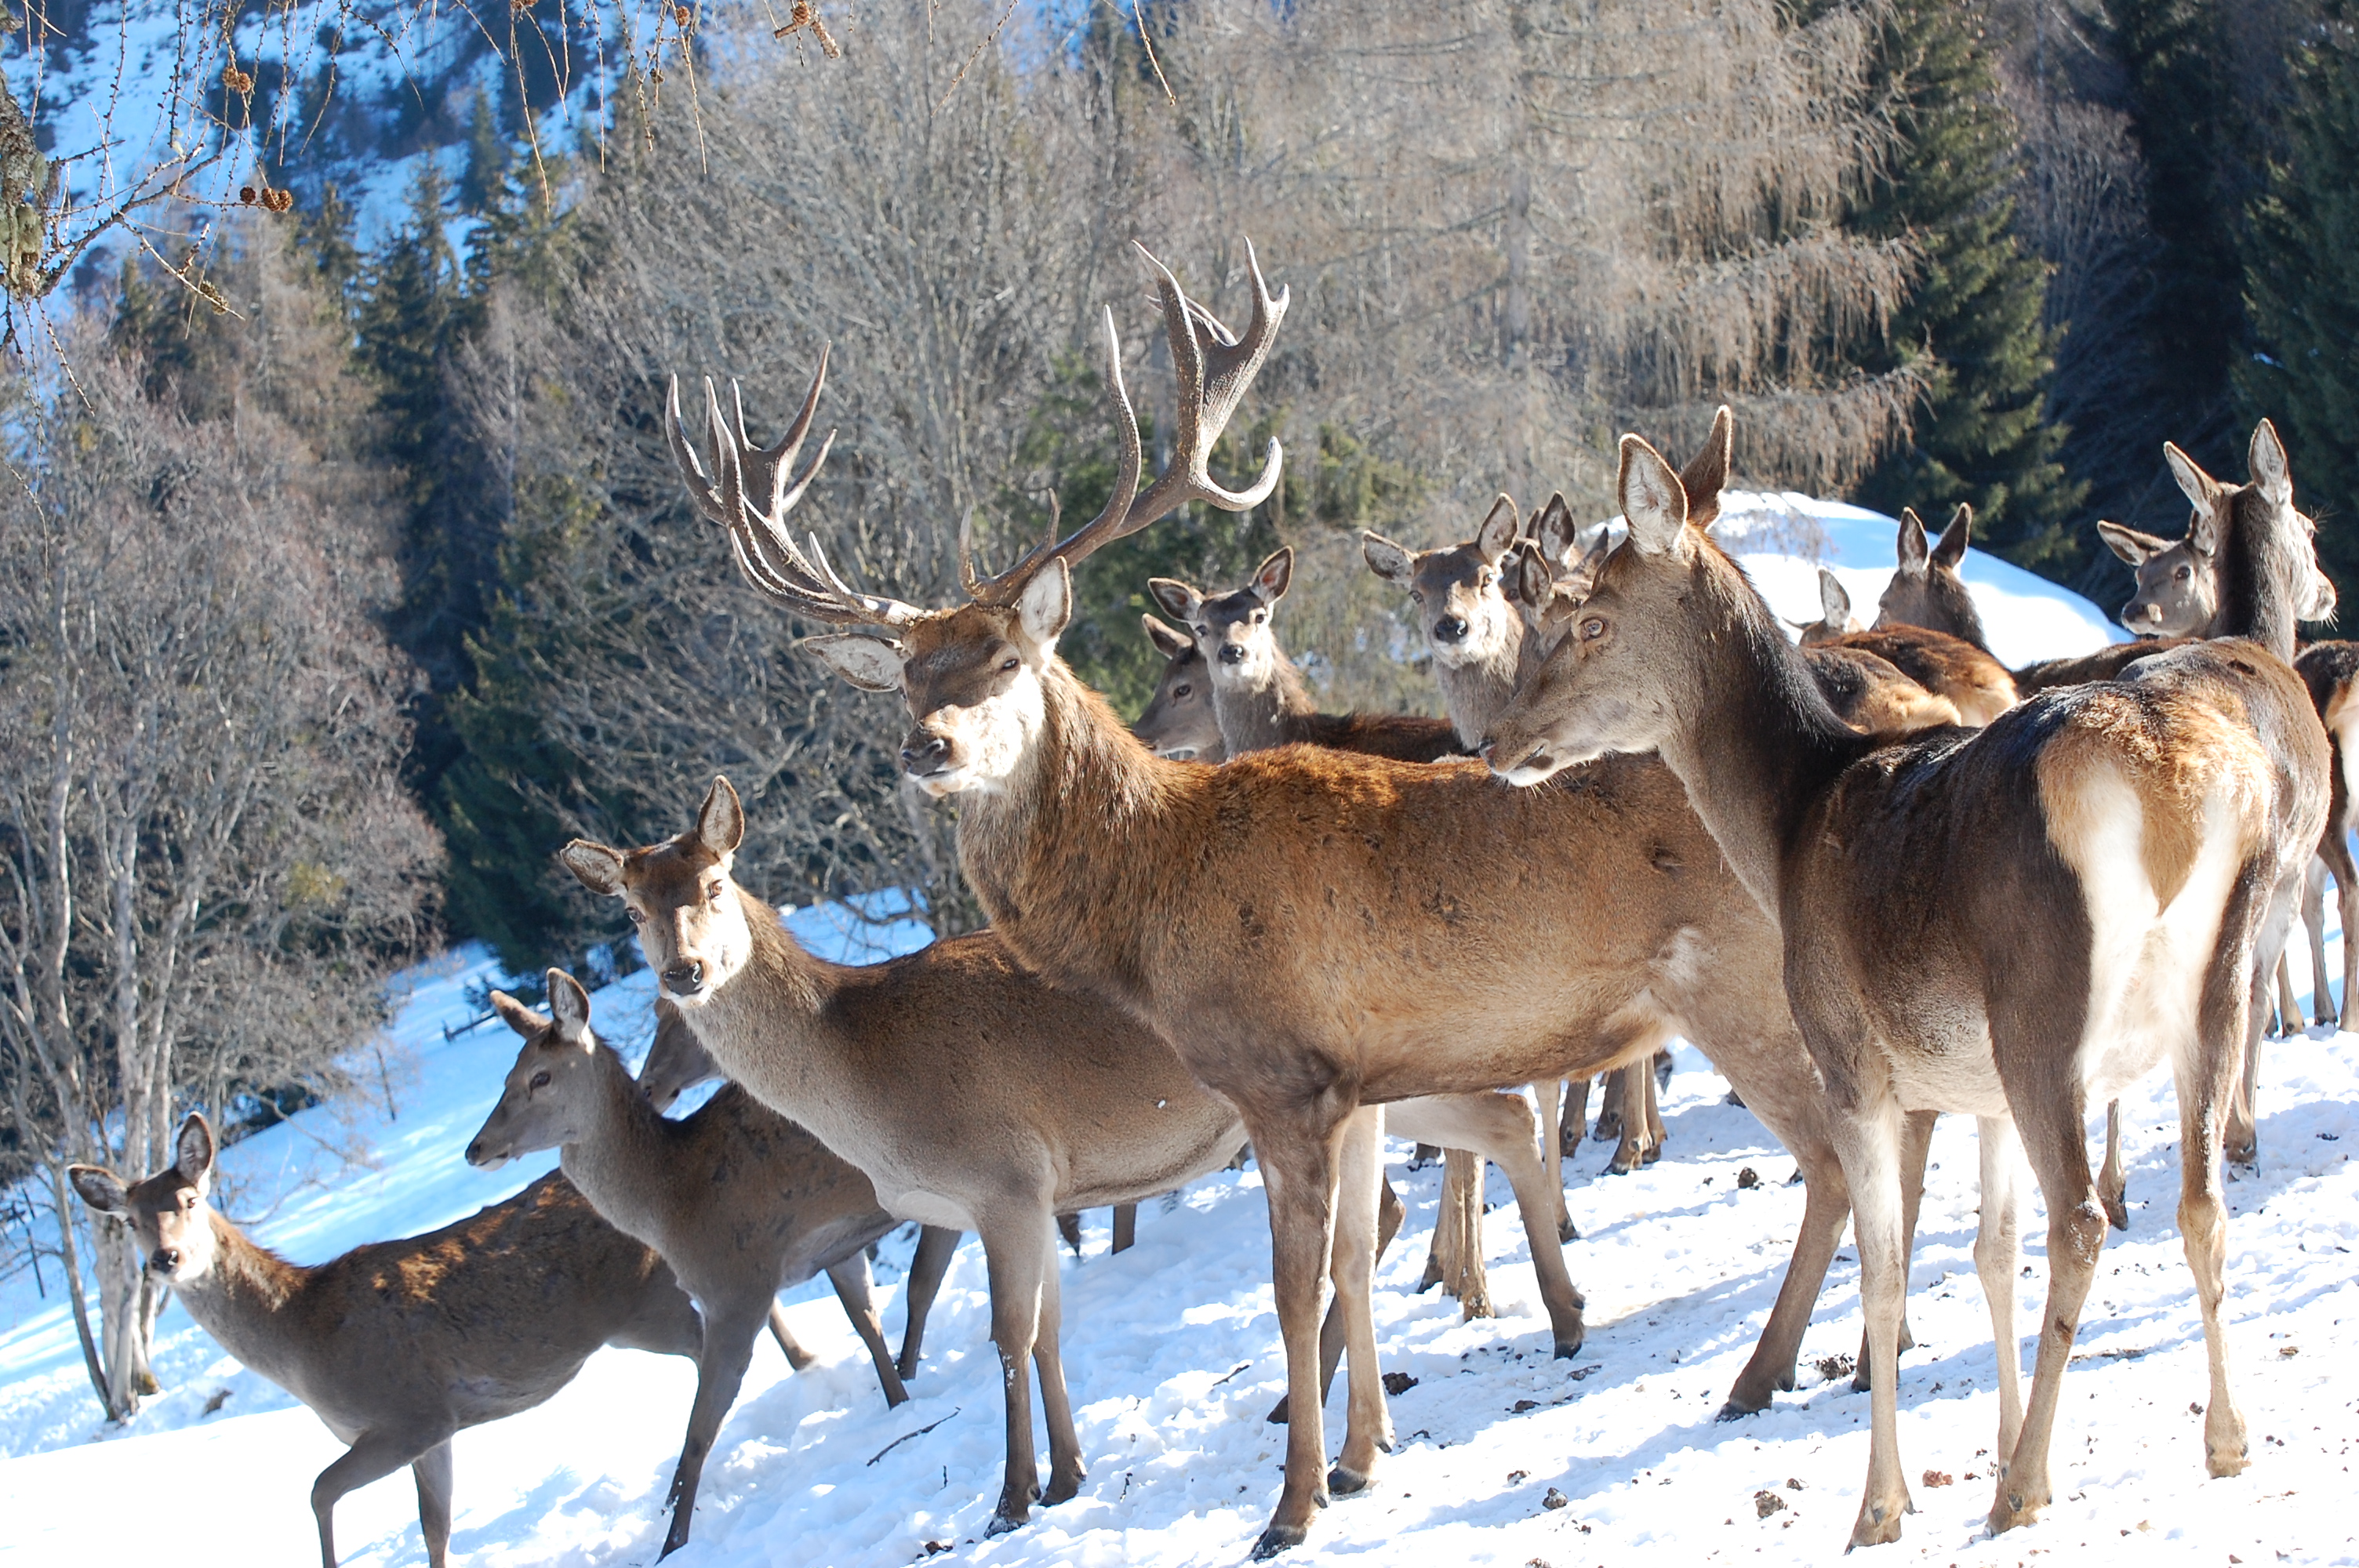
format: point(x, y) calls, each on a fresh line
point(2183, 573)
point(539, 1079)
point(1592, 629)
point(1008, 667)
point(1180, 691)
point(1259, 616)
point(713, 893)
point(1486, 579)
point(636, 918)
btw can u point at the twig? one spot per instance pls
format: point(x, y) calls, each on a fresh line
point(1232, 1372)
point(1169, 96)
point(907, 1435)
point(988, 40)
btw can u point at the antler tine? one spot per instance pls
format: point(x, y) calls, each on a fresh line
point(1212, 376)
point(1107, 525)
point(683, 455)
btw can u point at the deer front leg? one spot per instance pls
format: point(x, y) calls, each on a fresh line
point(1297, 1158)
point(1637, 1082)
point(1574, 1120)
point(376, 1455)
point(1826, 1205)
point(1869, 1143)
point(2113, 1184)
point(1390, 1212)
point(2313, 920)
point(1019, 1249)
point(855, 1289)
point(432, 1471)
point(1550, 1092)
point(1065, 1469)
point(1125, 1227)
point(1997, 1244)
point(1368, 1425)
point(728, 1347)
point(1655, 1136)
point(1499, 1127)
point(936, 1246)
point(1916, 1145)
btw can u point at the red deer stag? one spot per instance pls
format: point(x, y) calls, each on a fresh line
point(398, 1345)
point(1307, 927)
point(2086, 886)
point(740, 1202)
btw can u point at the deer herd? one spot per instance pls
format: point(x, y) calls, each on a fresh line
point(1873, 877)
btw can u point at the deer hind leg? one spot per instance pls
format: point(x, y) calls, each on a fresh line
point(1997, 1245)
point(1368, 1425)
point(1021, 1251)
point(1125, 1227)
point(1825, 1208)
point(1298, 1153)
point(1636, 1081)
point(1454, 1259)
point(1550, 1095)
point(2265, 948)
point(728, 1347)
point(856, 1288)
point(2346, 904)
point(376, 1455)
point(433, 1471)
point(1609, 1108)
point(1916, 1145)
point(2314, 920)
point(1655, 1134)
point(1499, 1127)
point(1869, 1141)
point(797, 1357)
point(2112, 1183)
point(1066, 1472)
point(936, 1246)
point(1390, 1212)
point(1574, 1119)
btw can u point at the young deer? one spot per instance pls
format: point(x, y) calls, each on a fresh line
point(1179, 721)
point(1077, 1105)
point(1311, 930)
point(398, 1345)
point(2175, 593)
point(1926, 589)
point(740, 1202)
point(2087, 887)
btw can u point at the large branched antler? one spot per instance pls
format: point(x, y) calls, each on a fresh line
point(1212, 367)
point(766, 553)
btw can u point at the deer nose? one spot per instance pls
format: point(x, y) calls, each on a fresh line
point(687, 975)
point(166, 1260)
point(1483, 750)
point(1232, 653)
point(929, 755)
point(475, 1153)
point(1450, 629)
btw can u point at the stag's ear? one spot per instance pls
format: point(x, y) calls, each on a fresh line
point(101, 1188)
point(1272, 576)
point(193, 1153)
point(1178, 601)
point(597, 867)
point(1653, 502)
point(1554, 531)
point(1835, 603)
point(1706, 474)
point(2267, 462)
point(2193, 483)
point(517, 1016)
point(1046, 605)
point(721, 821)
point(872, 664)
point(1913, 553)
point(1386, 559)
point(1497, 534)
point(569, 1005)
point(1953, 548)
point(1171, 645)
point(2133, 546)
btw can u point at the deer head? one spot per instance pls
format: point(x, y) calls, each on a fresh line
point(676, 1063)
point(547, 1099)
point(679, 896)
point(1461, 605)
point(1179, 721)
point(1232, 630)
point(1835, 619)
point(2177, 585)
point(2262, 510)
point(971, 675)
point(167, 1213)
point(1926, 589)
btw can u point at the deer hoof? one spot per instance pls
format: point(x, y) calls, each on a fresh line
point(1566, 1349)
point(1878, 1525)
point(1342, 1483)
point(1734, 1410)
point(1566, 1231)
point(2117, 1213)
point(1278, 1538)
point(1063, 1488)
point(1001, 1524)
point(1277, 1416)
point(673, 1542)
point(2010, 1511)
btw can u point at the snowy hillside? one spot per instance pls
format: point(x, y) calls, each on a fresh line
point(1172, 1346)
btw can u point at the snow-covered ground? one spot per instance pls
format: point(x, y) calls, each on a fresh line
point(1173, 1350)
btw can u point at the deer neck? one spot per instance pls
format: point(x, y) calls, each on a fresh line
point(1756, 743)
point(1956, 611)
point(1061, 853)
point(2257, 573)
point(771, 1026)
point(245, 1299)
point(619, 1162)
point(1475, 693)
point(1265, 714)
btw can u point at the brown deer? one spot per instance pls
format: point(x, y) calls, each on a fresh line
point(2175, 593)
point(2087, 887)
point(1926, 589)
point(1082, 1104)
point(2331, 670)
point(1310, 929)
point(740, 1202)
point(398, 1344)
point(1179, 721)
point(1972, 682)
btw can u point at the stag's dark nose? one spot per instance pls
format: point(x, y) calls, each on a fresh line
point(685, 976)
point(1232, 653)
point(475, 1153)
point(166, 1260)
point(1450, 629)
point(929, 755)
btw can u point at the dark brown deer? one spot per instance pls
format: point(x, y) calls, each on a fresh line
point(1080, 1106)
point(1313, 930)
point(740, 1202)
point(2086, 886)
point(1972, 682)
point(1179, 721)
point(1926, 589)
point(397, 1346)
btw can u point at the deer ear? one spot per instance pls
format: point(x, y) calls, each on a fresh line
point(568, 1006)
point(2131, 545)
point(1706, 474)
point(2193, 483)
point(1272, 576)
point(1497, 534)
point(1953, 548)
point(1527, 578)
point(1178, 601)
point(2265, 460)
point(872, 664)
point(1911, 550)
point(1653, 502)
point(1171, 645)
point(721, 821)
point(193, 1153)
point(1835, 603)
point(1046, 605)
point(1554, 530)
point(1386, 559)
point(597, 867)
point(2202, 533)
point(517, 1016)
point(101, 1188)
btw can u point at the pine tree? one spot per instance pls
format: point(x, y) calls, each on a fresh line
point(482, 185)
point(323, 233)
point(2302, 287)
point(1972, 320)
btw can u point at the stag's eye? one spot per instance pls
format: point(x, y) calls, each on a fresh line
point(1592, 629)
point(1177, 692)
point(713, 893)
point(2183, 573)
point(541, 1080)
